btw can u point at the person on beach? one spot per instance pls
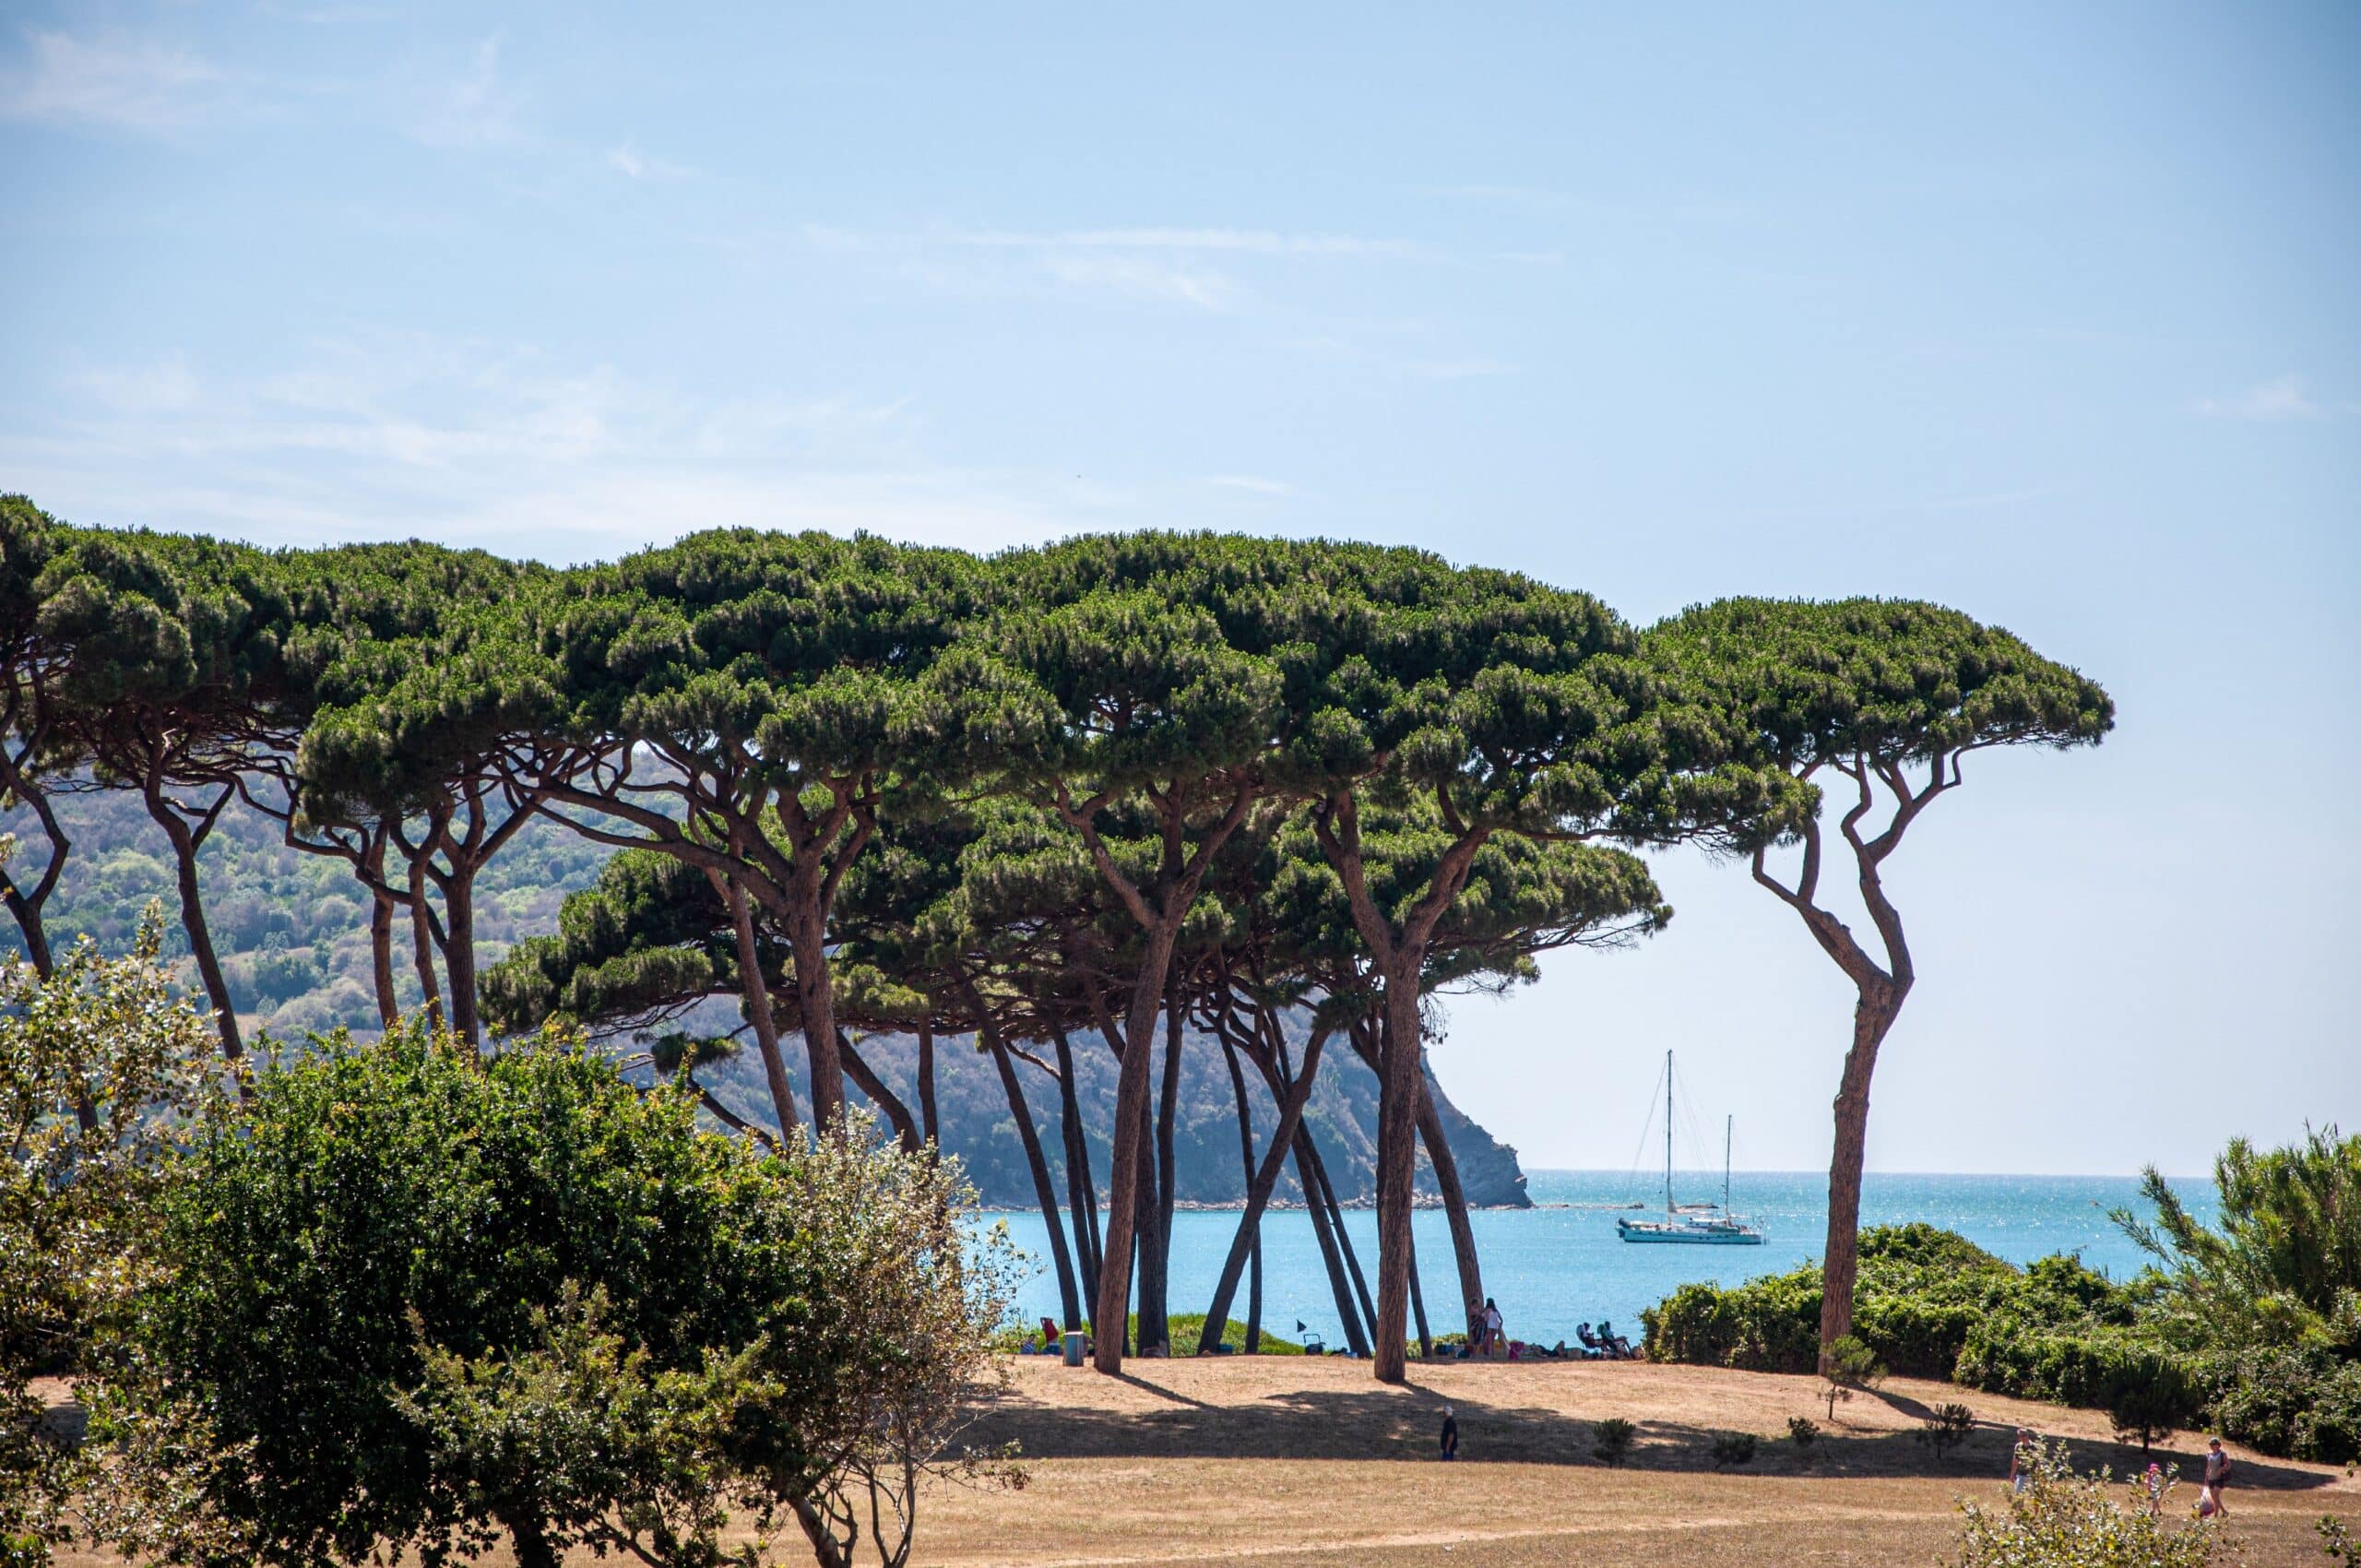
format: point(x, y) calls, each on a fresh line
point(2155, 1479)
point(2020, 1473)
point(1450, 1435)
point(1494, 1337)
point(2217, 1476)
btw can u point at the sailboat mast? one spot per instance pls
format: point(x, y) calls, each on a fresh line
point(1668, 1131)
point(1728, 1124)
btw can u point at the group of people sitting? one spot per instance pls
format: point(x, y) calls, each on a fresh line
point(1488, 1337)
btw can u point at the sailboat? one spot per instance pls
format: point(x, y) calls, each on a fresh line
point(1714, 1226)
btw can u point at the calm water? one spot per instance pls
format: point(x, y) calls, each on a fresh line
point(1560, 1262)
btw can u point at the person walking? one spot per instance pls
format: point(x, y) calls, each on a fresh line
point(2217, 1476)
point(1450, 1435)
point(2020, 1474)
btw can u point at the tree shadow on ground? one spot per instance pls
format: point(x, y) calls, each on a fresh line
point(1404, 1424)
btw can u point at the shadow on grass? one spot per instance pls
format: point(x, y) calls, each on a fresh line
point(1404, 1424)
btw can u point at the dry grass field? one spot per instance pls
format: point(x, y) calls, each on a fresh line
point(1283, 1462)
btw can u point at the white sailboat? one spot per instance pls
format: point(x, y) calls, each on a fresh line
point(1692, 1224)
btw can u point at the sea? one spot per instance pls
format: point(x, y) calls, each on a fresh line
point(1560, 1264)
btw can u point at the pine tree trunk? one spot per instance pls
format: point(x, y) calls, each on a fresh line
point(200, 936)
point(1261, 1182)
point(1873, 1016)
point(1111, 1312)
point(807, 938)
point(1344, 1248)
point(459, 950)
point(881, 1094)
point(1355, 1336)
point(421, 942)
point(1152, 1337)
point(1044, 1193)
point(1455, 1202)
point(756, 989)
point(1419, 1303)
point(1082, 1193)
point(1398, 1114)
point(926, 1084)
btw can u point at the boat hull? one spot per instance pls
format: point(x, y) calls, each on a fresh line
point(1682, 1236)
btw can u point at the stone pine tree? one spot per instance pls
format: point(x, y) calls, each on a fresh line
point(1110, 691)
point(1513, 709)
point(734, 700)
point(35, 749)
point(178, 687)
point(1878, 703)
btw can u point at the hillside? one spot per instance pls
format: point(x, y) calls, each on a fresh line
point(292, 930)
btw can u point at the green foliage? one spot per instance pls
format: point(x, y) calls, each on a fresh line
point(1733, 1448)
point(411, 1296)
point(1848, 1364)
point(2062, 1520)
point(2148, 1395)
point(106, 1036)
point(1945, 1429)
point(1611, 1440)
point(2265, 1311)
point(2337, 1541)
point(1803, 1431)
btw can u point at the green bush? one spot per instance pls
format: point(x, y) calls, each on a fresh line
point(1732, 1448)
point(2303, 1403)
point(2062, 1520)
point(1611, 1440)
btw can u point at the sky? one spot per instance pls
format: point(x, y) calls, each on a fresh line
point(2046, 313)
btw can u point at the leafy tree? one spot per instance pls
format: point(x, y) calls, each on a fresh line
point(737, 701)
point(1611, 1440)
point(100, 1067)
point(2149, 1396)
point(378, 1211)
point(176, 687)
point(1109, 693)
point(2285, 1267)
point(1880, 702)
point(1515, 709)
point(33, 749)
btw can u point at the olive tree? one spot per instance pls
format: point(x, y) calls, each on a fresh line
point(1878, 703)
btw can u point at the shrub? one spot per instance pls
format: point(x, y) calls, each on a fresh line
point(1733, 1448)
point(2147, 1394)
point(1851, 1365)
point(2303, 1403)
point(1611, 1440)
point(415, 1298)
point(1950, 1426)
point(1803, 1431)
point(2062, 1520)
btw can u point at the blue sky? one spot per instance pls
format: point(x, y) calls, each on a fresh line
point(2044, 312)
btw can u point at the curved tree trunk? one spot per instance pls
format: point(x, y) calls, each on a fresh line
point(1261, 1182)
point(1873, 1016)
point(1082, 1191)
point(1355, 1337)
point(1343, 1236)
point(1112, 1309)
point(816, 1005)
point(185, 843)
point(754, 986)
point(881, 1094)
point(1455, 1203)
point(381, 929)
point(1156, 1246)
point(1419, 1303)
point(1246, 1161)
point(1044, 1193)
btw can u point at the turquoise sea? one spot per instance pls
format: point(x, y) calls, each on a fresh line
point(1560, 1262)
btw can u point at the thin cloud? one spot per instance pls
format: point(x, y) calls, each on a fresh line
point(1145, 278)
point(633, 164)
point(2275, 401)
point(1249, 242)
point(117, 83)
point(1253, 484)
point(475, 108)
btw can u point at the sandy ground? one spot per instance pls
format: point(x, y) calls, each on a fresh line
point(1283, 1461)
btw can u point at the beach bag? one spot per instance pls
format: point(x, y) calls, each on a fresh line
point(2205, 1503)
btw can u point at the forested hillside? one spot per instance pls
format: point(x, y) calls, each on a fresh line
point(292, 927)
